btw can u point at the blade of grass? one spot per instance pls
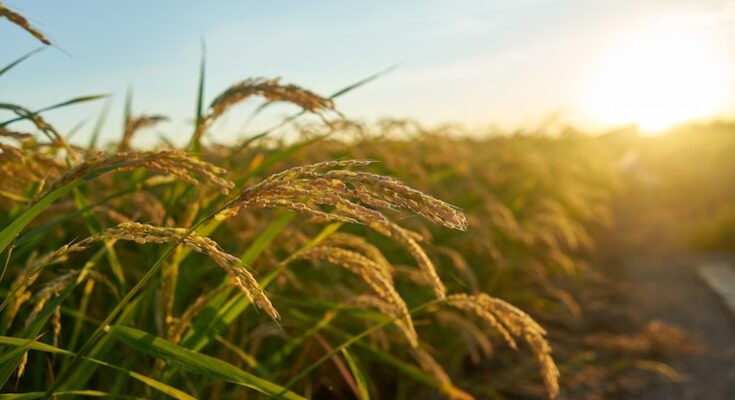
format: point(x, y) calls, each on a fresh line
point(127, 110)
point(11, 231)
point(37, 346)
point(195, 144)
point(191, 361)
point(19, 60)
point(83, 373)
point(353, 339)
point(38, 395)
point(75, 129)
point(70, 102)
point(99, 124)
point(266, 237)
point(6, 263)
point(277, 358)
point(400, 365)
point(357, 374)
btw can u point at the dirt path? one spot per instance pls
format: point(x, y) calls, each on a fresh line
point(660, 282)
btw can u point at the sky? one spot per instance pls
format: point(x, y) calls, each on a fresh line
point(503, 63)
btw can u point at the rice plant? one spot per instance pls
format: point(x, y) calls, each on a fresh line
point(356, 261)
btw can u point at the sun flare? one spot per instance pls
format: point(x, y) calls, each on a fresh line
point(658, 79)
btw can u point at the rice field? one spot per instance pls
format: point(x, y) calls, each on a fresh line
point(354, 260)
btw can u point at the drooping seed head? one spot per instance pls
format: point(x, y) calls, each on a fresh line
point(22, 22)
point(510, 322)
point(176, 163)
point(374, 275)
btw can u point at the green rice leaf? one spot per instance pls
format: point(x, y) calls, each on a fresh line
point(32, 344)
point(188, 360)
point(357, 373)
point(19, 60)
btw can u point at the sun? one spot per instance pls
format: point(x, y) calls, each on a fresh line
point(657, 79)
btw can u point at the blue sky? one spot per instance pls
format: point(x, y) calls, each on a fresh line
point(506, 62)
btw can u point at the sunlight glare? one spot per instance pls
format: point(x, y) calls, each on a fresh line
point(658, 79)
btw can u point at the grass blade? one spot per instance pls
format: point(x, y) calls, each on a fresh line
point(98, 125)
point(34, 345)
point(70, 102)
point(188, 360)
point(357, 373)
point(19, 60)
point(73, 393)
point(11, 231)
point(195, 144)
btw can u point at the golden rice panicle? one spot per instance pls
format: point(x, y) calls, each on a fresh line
point(22, 365)
point(273, 91)
point(468, 303)
point(371, 301)
point(15, 173)
point(408, 240)
point(549, 371)
point(241, 277)
point(178, 326)
point(360, 244)
point(134, 124)
point(333, 183)
point(518, 324)
point(532, 333)
point(47, 292)
point(379, 189)
point(26, 276)
point(52, 289)
point(341, 192)
point(373, 274)
point(57, 141)
point(21, 137)
point(144, 233)
point(29, 274)
point(176, 163)
point(22, 22)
